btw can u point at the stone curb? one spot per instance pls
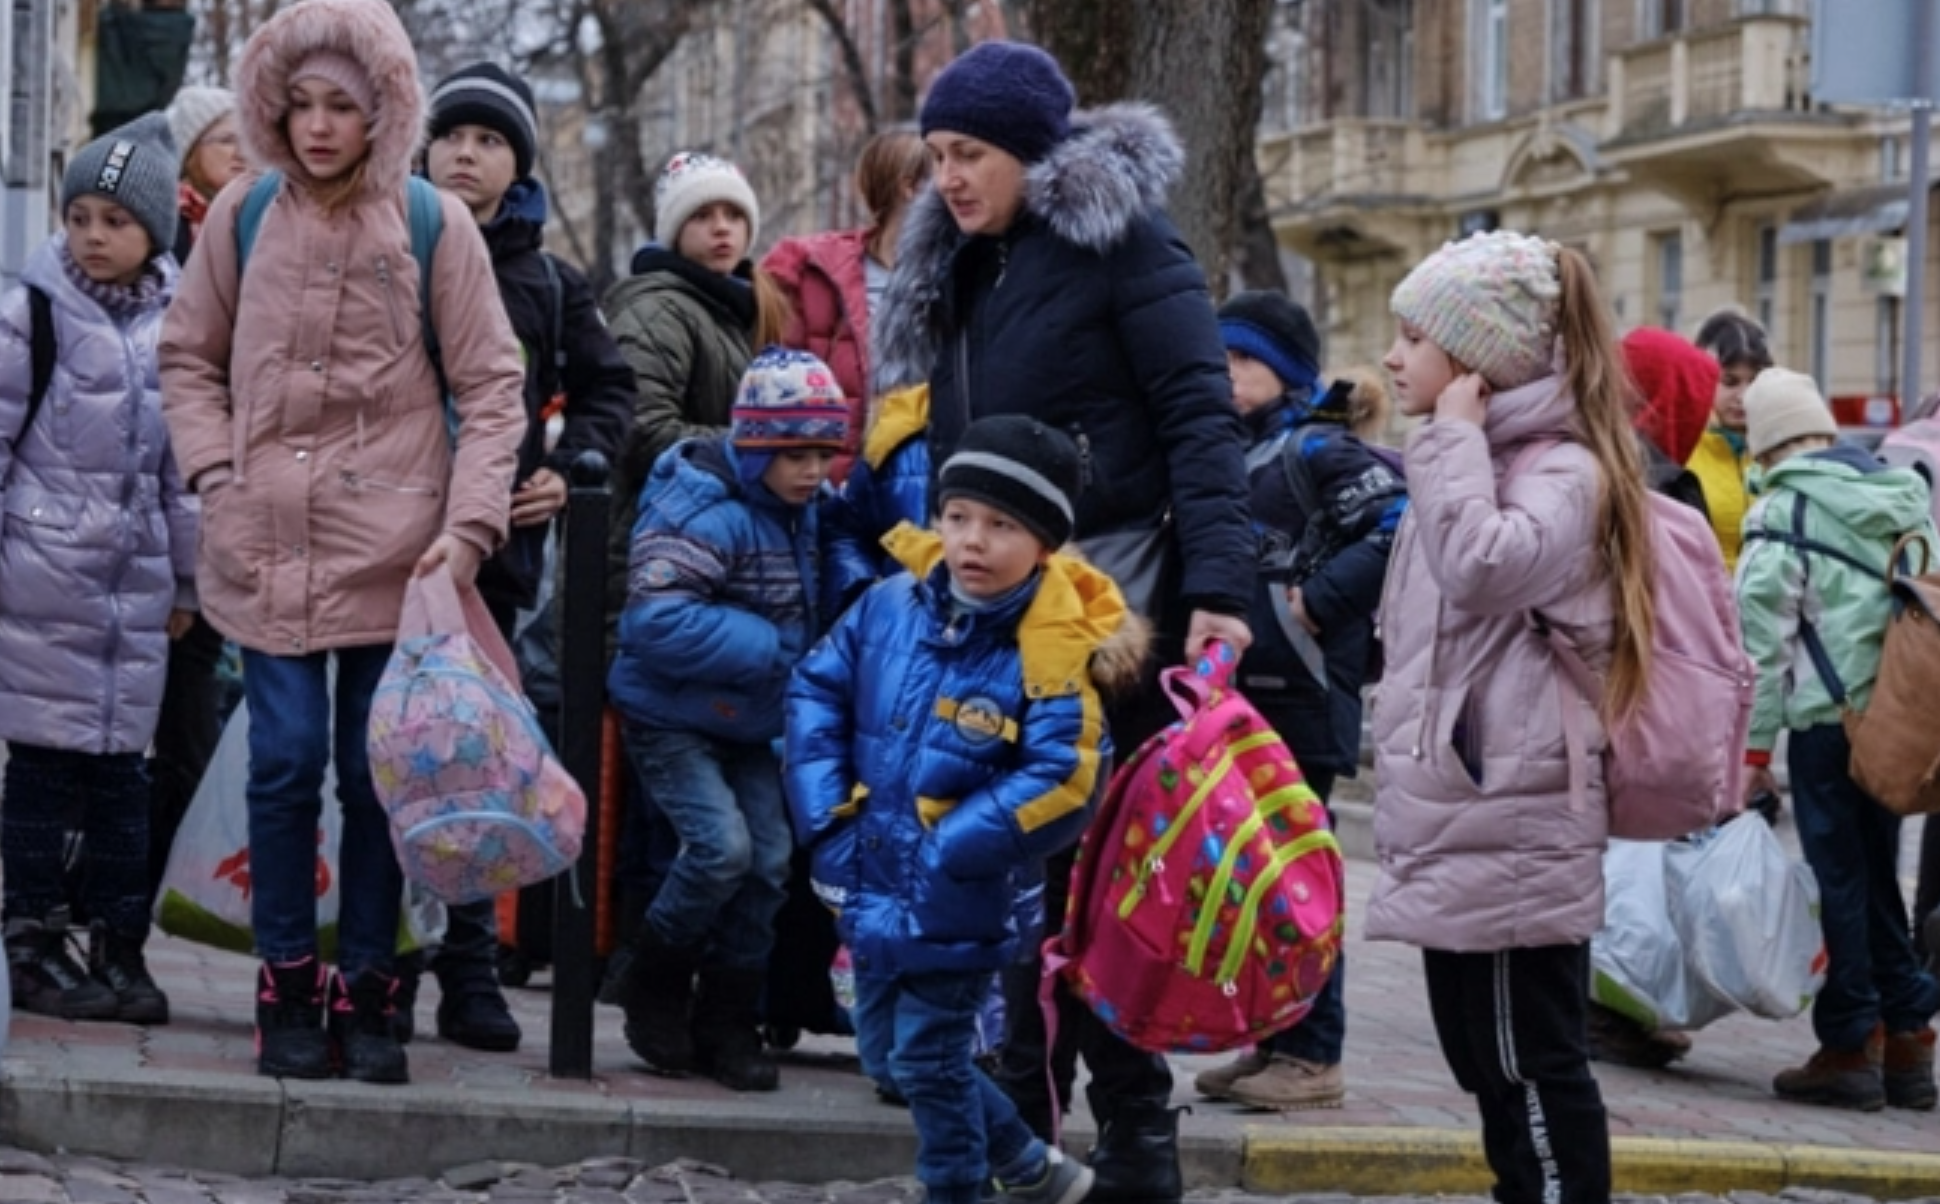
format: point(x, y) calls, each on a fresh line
point(1392, 1161)
point(260, 1128)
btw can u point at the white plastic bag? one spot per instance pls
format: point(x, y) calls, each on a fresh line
point(1748, 917)
point(1637, 962)
point(204, 895)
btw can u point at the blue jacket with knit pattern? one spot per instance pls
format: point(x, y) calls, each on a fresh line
point(935, 755)
point(719, 599)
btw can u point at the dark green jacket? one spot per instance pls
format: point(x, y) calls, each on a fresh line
point(686, 332)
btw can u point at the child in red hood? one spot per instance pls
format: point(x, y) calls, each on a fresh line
point(1676, 383)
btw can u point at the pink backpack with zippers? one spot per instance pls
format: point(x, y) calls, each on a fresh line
point(1206, 900)
point(1677, 766)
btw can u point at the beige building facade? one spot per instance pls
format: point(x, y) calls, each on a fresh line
point(1676, 142)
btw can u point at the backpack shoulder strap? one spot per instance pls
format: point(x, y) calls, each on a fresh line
point(249, 214)
point(427, 219)
point(1299, 475)
point(1808, 631)
point(40, 320)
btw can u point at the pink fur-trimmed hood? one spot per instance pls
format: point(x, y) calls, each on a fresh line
point(369, 32)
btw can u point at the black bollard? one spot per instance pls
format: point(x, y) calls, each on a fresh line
point(582, 704)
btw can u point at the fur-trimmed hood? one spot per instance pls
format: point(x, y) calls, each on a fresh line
point(1117, 165)
point(367, 31)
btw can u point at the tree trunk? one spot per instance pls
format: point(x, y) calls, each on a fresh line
point(1256, 251)
point(1202, 63)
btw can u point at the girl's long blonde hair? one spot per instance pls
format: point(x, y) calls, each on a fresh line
point(1594, 369)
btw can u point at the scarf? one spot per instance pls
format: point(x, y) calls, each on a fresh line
point(194, 207)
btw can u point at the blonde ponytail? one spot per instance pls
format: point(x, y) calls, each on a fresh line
point(1597, 379)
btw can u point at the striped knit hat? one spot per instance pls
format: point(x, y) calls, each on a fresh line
point(789, 399)
point(1020, 466)
point(1490, 302)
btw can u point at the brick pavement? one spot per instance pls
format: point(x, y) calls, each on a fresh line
point(1394, 1071)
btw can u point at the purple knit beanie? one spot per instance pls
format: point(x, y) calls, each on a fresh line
point(1008, 94)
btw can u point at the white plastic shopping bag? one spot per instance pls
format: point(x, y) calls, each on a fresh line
point(1637, 963)
point(205, 890)
point(1748, 917)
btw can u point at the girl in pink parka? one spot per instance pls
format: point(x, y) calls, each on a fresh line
point(308, 416)
point(1505, 346)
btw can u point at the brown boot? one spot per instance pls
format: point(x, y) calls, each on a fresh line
point(1907, 1070)
point(1292, 1085)
point(1217, 1083)
point(1837, 1078)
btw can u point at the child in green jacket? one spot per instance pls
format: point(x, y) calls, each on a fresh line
point(1814, 605)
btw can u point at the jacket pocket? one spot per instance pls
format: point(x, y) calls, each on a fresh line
point(227, 539)
point(387, 283)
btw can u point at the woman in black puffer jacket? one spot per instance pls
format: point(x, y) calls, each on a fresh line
point(1040, 275)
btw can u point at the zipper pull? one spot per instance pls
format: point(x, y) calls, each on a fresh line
point(1003, 264)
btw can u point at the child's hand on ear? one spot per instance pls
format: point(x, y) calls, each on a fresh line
point(1466, 399)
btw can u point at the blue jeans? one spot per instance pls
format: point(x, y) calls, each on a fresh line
point(1852, 844)
point(291, 740)
point(1322, 1031)
point(914, 1033)
point(724, 888)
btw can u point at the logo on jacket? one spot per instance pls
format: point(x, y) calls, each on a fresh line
point(659, 574)
point(979, 720)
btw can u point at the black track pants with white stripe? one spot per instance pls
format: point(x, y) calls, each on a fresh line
point(1512, 1026)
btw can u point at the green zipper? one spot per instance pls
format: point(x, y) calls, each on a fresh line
point(1249, 910)
point(1229, 862)
point(1164, 843)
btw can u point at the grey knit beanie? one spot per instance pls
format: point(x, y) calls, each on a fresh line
point(136, 167)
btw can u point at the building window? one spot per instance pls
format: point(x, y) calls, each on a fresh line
point(1819, 311)
point(1764, 283)
point(1572, 49)
point(1489, 59)
point(1669, 263)
point(1656, 18)
point(1388, 57)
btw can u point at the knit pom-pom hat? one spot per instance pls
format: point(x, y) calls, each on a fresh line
point(1489, 301)
point(690, 182)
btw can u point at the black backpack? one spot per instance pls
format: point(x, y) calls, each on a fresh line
point(40, 336)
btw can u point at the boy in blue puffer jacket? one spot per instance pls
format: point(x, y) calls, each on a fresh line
point(721, 587)
point(944, 739)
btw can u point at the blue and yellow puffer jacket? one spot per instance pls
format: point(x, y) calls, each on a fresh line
point(934, 758)
point(888, 485)
point(719, 601)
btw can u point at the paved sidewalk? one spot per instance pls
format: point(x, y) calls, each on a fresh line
point(186, 1094)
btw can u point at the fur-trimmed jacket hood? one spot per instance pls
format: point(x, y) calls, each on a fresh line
point(1117, 166)
point(1088, 314)
point(368, 31)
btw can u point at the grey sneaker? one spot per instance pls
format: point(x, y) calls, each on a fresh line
point(1063, 1182)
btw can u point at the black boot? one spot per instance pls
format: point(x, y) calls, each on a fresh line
point(404, 1002)
point(1137, 1155)
point(46, 978)
point(290, 1038)
point(727, 1031)
point(656, 990)
point(116, 962)
point(472, 1011)
point(362, 1028)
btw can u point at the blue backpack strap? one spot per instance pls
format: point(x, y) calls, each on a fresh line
point(249, 215)
point(427, 220)
point(1808, 631)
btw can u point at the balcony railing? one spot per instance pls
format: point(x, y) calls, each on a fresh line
point(1352, 156)
point(1756, 65)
